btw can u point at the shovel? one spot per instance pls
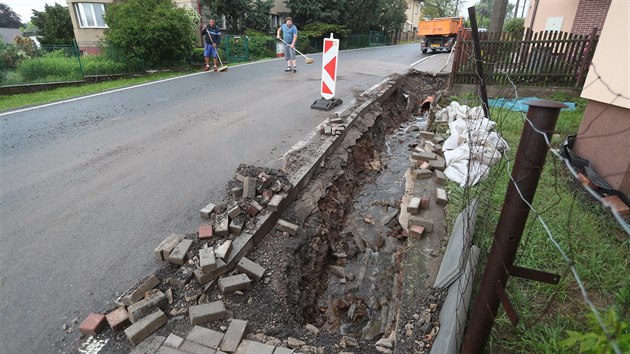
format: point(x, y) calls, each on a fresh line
point(307, 59)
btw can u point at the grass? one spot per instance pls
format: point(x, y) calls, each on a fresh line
point(31, 99)
point(589, 235)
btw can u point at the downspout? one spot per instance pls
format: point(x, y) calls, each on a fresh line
point(531, 25)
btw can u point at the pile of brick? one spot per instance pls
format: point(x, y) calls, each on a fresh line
point(427, 162)
point(333, 126)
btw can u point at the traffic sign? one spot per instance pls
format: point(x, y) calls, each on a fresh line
point(329, 67)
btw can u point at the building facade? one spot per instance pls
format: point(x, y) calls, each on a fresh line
point(575, 16)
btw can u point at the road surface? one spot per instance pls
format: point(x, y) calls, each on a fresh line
point(90, 186)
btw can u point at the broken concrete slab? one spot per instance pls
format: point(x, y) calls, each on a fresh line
point(221, 227)
point(145, 326)
point(425, 222)
point(252, 347)
point(249, 187)
point(454, 258)
point(178, 254)
point(233, 336)
point(286, 226)
point(207, 261)
point(252, 269)
point(274, 204)
point(455, 307)
point(151, 282)
point(234, 283)
point(207, 210)
point(414, 205)
point(118, 319)
point(146, 306)
point(205, 313)
point(441, 198)
point(223, 250)
point(205, 336)
point(165, 247)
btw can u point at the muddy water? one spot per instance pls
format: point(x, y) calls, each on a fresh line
point(362, 304)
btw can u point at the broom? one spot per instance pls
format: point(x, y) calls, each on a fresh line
point(222, 67)
point(307, 59)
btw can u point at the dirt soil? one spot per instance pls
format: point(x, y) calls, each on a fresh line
point(300, 287)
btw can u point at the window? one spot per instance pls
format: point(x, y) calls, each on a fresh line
point(90, 15)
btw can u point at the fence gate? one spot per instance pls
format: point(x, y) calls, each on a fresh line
point(236, 48)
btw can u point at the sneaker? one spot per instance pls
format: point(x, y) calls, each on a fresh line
point(294, 69)
point(288, 69)
point(206, 68)
point(216, 69)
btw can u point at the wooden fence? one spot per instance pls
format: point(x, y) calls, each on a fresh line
point(549, 58)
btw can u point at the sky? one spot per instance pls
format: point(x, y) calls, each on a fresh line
point(23, 7)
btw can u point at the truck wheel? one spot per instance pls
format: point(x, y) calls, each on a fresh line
point(424, 51)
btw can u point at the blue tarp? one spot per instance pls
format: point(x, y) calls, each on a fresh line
point(519, 105)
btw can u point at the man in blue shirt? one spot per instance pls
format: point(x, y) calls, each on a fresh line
point(289, 35)
point(212, 35)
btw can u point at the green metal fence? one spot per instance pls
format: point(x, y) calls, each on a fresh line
point(236, 48)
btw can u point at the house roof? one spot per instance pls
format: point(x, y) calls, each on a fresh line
point(8, 34)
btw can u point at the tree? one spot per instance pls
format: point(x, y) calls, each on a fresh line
point(233, 10)
point(54, 24)
point(364, 15)
point(393, 15)
point(258, 17)
point(149, 33)
point(439, 8)
point(497, 17)
point(8, 17)
point(325, 11)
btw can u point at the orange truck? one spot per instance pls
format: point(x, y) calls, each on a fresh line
point(440, 33)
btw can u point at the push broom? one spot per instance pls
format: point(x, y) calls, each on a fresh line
point(222, 67)
point(307, 59)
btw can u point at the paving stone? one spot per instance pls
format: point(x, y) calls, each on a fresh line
point(441, 198)
point(146, 306)
point(438, 139)
point(249, 187)
point(149, 345)
point(191, 347)
point(440, 177)
point(207, 262)
point(205, 336)
point(423, 155)
point(205, 232)
point(145, 326)
point(204, 278)
point(231, 284)
point(182, 276)
point(151, 282)
point(416, 231)
point(425, 222)
point(237, 224)
point(286, 226)
point(173, 341)
point(439, 165)
point(252, 347)
point(424, 165)
point(427, 135)
point(274, 204)
point(424, 203)
point(204, 313)
point(166, 350)
point(233, 336)
point(178, 254)
point(165, 247)
point(233, 210)
point(118, 319)
point(221, 228)
point(430, 146)
point(414, 205)
point(207, 210)
point(282, 350)
point(252, 269)
point(92, 324)
point(223, 250)
point(422, 173)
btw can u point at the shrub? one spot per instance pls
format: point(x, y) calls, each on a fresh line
point(515, 27)
point(312, 35)
point(50, 67)
point(261, 45)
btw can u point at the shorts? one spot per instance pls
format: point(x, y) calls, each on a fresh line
point(209, 51)
point(289, 53)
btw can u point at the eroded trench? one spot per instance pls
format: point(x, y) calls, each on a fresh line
point(351, 262)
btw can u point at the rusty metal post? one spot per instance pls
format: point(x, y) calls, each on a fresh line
point(586, 59)
point(528, 165)
point(482, 78)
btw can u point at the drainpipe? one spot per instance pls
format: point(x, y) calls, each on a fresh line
point(531, 25)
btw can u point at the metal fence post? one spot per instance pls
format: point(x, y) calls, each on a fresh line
point(528, 165)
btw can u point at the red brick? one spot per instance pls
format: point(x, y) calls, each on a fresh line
point(118, 319)
point(251, 211)
point(205, 232)
point(416, 231)
point(267, 194)
point(92, 324)
point(617, 204)
point(424, 203)
point(425, 165)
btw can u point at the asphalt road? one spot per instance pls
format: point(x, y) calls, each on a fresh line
point(89, 187)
